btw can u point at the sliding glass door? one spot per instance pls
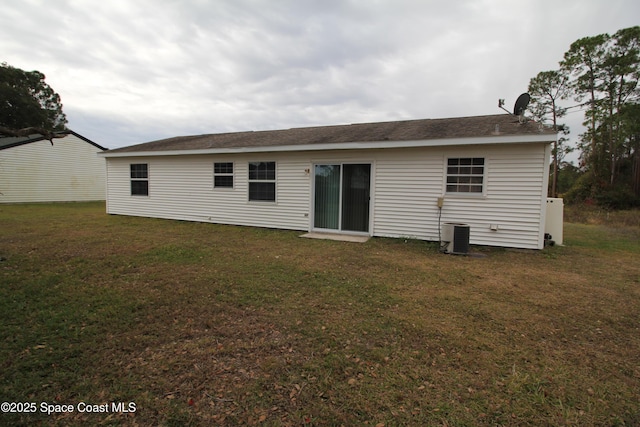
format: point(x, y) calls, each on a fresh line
point(327, 197)
point(341, 199)
point(355, 197)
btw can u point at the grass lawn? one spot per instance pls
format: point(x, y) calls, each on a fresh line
point(202, 324)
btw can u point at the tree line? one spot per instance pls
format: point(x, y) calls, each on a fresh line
point(599, 74)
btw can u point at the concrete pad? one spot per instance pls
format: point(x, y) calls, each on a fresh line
point(338, 237)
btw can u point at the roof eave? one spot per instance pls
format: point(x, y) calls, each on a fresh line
point(37, 138)
point(508, 139)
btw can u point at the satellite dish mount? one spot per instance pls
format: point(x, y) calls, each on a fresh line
point(519, 108)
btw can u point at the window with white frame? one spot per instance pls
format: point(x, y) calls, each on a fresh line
point(223, 175)
point(465, 175)
point(139, 173)
point(262, 181)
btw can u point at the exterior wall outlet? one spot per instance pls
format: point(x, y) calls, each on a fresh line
point(440, 202)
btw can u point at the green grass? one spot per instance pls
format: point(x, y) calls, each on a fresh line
point(260, 327)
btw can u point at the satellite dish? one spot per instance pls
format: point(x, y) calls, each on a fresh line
point(521, 104)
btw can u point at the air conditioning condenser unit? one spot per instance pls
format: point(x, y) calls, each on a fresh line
point(455, 238)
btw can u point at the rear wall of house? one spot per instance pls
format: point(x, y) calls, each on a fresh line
point(405, 186)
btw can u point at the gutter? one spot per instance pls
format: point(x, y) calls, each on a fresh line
point(514, 139)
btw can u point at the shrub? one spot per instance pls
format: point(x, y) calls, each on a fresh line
point(620, 197)
point(587, 189)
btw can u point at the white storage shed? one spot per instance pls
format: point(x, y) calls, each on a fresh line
point(33, 169)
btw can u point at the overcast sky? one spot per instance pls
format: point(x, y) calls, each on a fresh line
point(132, 71)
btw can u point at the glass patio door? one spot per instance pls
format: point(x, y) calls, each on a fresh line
point(327, 197)
point(341, 199)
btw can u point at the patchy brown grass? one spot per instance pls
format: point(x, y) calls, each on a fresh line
point(202, 324)
point(595, 215)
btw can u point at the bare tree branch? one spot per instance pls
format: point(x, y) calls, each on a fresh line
point(47, 134)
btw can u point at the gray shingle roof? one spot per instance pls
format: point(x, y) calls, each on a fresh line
point(407, 130)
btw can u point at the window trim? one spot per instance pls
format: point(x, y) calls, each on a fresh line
point(224, 174)
point(483, 185)
point(133, 179)
point(262, 181)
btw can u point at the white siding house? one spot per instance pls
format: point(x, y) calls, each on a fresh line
point(32, 169)
point(378, 179)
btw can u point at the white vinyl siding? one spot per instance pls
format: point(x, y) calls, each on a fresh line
point(405, 185)
point(514, 201)
point(408, 183)
point(180, 188)
point(67, 171)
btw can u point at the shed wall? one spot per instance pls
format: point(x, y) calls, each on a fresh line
point(405, 186)
point(67, 171)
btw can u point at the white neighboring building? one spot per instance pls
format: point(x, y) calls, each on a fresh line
point(34, 170)
point(375, 179)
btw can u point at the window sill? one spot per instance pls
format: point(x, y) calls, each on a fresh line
point(465, 195)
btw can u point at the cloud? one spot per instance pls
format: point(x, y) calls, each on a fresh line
point(136, 71)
